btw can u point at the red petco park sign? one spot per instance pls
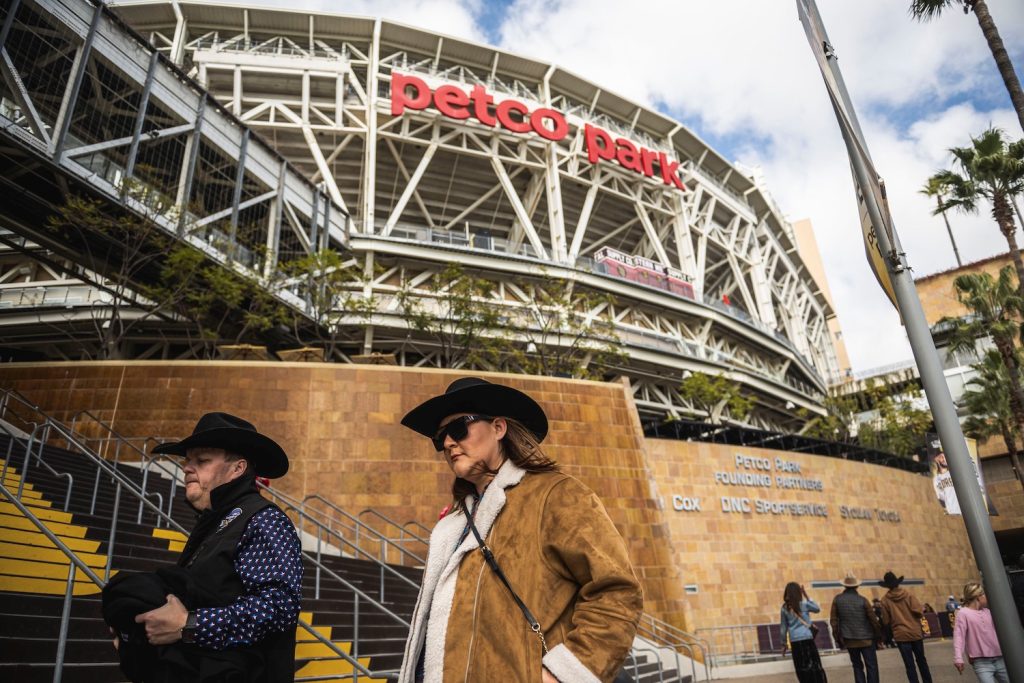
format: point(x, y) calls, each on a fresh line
point(409, 92)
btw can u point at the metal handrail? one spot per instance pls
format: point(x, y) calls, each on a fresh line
point(74, 564)
point(422, 526)
point(650, 626)
point(636, 665)
point(300, 508)
point(146, 458)
point(114, 434)
point(103, 466)
point(400, 527)
point(21, 484)
point(689, 650)
point(360, 524)
point(149, 459)
point(53, 538)
point(114, 473)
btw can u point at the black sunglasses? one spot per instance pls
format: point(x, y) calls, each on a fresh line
point(458, 429)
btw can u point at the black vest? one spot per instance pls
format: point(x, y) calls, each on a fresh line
point(208, 559)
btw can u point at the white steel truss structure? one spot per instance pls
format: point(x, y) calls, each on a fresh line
point(428, 182)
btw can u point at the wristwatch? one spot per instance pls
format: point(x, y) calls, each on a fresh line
point(188, 631)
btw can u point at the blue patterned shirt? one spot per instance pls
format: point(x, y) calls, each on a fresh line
point(269, 562)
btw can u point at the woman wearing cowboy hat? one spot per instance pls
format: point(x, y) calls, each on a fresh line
point(559, 601)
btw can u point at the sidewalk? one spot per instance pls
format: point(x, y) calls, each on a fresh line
point(837, 666)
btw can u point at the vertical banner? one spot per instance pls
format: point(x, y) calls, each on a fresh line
point(942, 481)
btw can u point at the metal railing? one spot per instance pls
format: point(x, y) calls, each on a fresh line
point(383, 542)
point(287, 502)
point(403, 532)
point(25, 465)
point(665, 635)
point(45, 426)
point(742, 644)
point(146, 459)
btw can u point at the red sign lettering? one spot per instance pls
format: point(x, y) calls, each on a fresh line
point(409, 92)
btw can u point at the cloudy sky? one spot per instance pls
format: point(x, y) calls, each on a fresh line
point(741, 75)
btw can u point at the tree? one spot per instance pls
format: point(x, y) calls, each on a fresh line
point(222, 304)
point(996, 308)
point(935, 188)
point(122, 249)
point(564, 335)
point(925, 10)
point(717, 396)
point(991, 169)
point(332, 287)
point(838, 422)
point(460, 314)
point(897, 426)
point(987, 404)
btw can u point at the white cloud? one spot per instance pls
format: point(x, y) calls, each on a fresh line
point(744, 70)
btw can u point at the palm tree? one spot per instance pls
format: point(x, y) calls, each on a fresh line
point(991, 169)
point(933, 188)
point(987, 404)
point(924, 10)
point(995, 308)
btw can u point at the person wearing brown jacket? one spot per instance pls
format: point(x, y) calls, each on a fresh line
point(902, 611)
point(550, 536)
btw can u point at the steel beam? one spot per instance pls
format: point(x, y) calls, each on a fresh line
point(71, 97)
point(194, 143)
point(140, 119)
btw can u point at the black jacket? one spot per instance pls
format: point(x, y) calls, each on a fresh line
point(204, 577)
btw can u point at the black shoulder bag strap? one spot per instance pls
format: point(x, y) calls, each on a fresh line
point(493, 564)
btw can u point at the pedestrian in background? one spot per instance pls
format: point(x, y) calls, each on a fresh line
point(856, 628)
point(796, 623)
point(886, 639)
point(975, 635)
point(952, 605)
point(902, 611)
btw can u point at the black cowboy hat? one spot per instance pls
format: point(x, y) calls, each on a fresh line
point(890, 580)
point(475, 395)
point(220, 430)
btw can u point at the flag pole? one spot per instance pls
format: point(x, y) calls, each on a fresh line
point(947, 424)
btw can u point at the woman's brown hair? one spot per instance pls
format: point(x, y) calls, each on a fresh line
point(791, 597)
point(518, 445)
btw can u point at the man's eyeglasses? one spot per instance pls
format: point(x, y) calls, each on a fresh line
point(458, 429)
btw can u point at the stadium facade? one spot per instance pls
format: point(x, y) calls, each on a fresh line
point(440, 150)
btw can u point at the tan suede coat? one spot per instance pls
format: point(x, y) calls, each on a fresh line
point(563, 556)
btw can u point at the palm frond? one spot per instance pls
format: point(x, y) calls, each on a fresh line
point(926, 10)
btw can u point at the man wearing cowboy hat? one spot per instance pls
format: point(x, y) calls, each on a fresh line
point(242, 565)
point(856, 628)
point(903, 613)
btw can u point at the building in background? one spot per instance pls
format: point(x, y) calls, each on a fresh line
point(938, 297)
point(807, 244)
point(525, 174)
